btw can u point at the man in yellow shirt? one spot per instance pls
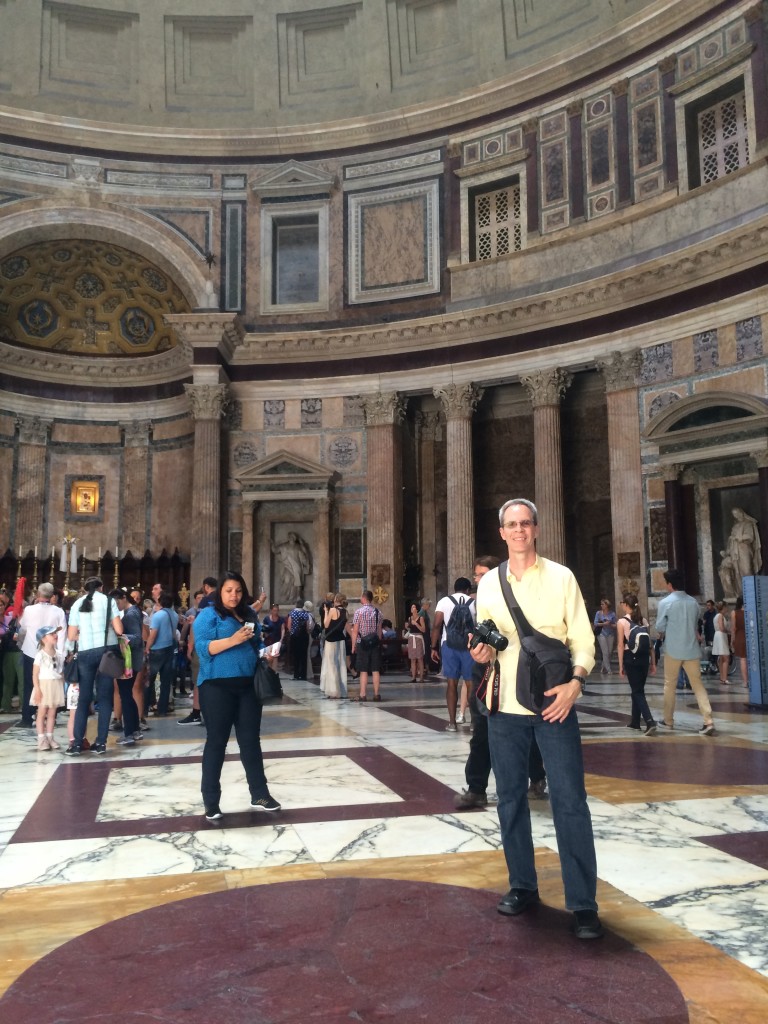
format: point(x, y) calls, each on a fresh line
point(551, 600)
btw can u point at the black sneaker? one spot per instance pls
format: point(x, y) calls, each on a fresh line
point(586, 925)
point(193, 718)
point(707, 730)
point(213, 813)
point(98, 748)
point(72, 750)
point(266, 803)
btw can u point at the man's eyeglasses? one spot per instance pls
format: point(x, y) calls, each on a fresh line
point(524, 524)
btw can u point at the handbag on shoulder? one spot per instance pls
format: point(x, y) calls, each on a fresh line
point(266, 684)
point(71, 670)
point(112, 664)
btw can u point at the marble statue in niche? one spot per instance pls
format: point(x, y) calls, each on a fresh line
point(743, 551)
point(293, 563)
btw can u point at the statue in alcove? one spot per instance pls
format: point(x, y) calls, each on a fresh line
point(727, 573)
point(743, 546)
point(293, 561)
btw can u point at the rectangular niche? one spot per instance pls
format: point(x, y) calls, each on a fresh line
point(351, 553)
point(83, 499)
point(394, 243)
point(294, 257)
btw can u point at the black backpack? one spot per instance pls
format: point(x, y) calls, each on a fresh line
point(639, 640)
point(460, 625)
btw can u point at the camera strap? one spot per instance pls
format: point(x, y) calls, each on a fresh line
point(492, 672)
point(522, 624)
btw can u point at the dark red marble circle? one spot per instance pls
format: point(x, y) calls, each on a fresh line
point(703, 760)
point(340, 950)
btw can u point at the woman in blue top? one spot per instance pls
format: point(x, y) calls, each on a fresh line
point(226, 642)
point(605, 628)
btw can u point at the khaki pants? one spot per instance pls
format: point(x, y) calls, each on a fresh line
point(692, 668)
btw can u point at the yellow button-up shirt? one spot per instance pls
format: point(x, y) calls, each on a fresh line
point(551, 601)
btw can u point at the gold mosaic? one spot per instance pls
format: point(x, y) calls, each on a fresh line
point(86, 297)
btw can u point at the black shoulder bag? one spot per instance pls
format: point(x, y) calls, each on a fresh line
point(544, 661)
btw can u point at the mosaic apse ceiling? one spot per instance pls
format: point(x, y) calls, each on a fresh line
point(87, 298)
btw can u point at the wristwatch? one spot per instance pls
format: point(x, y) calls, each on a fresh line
point(580, 679)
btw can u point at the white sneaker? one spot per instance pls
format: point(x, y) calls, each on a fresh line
point(460, 719)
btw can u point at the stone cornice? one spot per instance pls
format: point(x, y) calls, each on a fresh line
point(41, 365)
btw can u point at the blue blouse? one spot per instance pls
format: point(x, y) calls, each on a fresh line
point(235, 661)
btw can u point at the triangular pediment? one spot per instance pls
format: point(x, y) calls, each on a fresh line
point(293, 179)
point(284, 471)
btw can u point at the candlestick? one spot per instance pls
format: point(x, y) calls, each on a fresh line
point(35, 550)
point(117, 556)
point(53, 552)
point(99, 552)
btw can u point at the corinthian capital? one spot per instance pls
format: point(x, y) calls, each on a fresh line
point(33, 429)
point(384, 408)
point(208, 401)
point(459, 400)
point(621, 370)
point(546, 387)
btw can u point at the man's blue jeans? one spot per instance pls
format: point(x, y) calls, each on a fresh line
point(560, 745)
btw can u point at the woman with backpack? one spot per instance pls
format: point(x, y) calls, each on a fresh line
point(636, 659)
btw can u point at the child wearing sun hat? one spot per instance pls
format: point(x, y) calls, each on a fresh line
point(47, 686)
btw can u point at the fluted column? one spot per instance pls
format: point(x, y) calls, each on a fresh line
point(30, 496)
point(383, 415)
point(208, 402)
point(248, 566)
point(428, 431)
point(545, 389)
point(135, 529)
point(321, 554)
point(459, 401)
point(626, 480)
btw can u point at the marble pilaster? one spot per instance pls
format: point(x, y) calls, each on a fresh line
point(545, 389)
point(208, 402)
point(459, 402)
point(30, 497)
point(248, 567)
point(625, 471)
point(384, 414)
point(761, 458)
point(321, 554)
point(427, 433)
point(134, 533)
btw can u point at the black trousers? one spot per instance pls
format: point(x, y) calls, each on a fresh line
point(299, 646)
point(478, 767)
point(224, 703)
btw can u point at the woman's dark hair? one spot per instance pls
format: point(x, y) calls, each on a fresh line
point(630, 600)
point(92, 584)
point(119, 594)
point(243, 610)
point(739, 603)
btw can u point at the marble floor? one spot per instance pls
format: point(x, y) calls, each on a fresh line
point(106, 854)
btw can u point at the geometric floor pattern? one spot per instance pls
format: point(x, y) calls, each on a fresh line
point(369, 897)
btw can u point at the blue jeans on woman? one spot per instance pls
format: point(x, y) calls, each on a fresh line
point(224, 703)
point(560, 745)
point(91, 679)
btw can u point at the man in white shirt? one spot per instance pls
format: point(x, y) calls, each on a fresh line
point(457, 663)
point(41, 613)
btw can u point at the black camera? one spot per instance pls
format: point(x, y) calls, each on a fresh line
point(487, 633)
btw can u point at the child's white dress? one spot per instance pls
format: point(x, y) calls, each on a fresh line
point(50, 679)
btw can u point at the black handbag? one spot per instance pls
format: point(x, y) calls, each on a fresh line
point(112, 663)
point(544, 661)
point(71, 670)
point(266, 684)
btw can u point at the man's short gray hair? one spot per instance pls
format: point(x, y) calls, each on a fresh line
point(519, 501)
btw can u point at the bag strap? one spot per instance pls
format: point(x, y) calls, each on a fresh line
point(522, 624)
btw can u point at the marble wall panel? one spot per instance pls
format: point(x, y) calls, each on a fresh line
point(354, 414)
point(171, 499)
point(655, 488)
point(166, 430)
point(749, 339)
point(656, 363)
point(253, 415)
point(657, 533)
point(345, 452)
point(89, 53)
point(311, 413)
point(705, 352)
point(293, 414)
point(750, 382)
point(274, 414)
point(246, 451)
point(333, 412)
point(727, 345)
point(83, 433)
point(394, 242)
point(656, 402)
point(208, 63)
point(7, 426)
point(306, 445)
point(196, 225)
